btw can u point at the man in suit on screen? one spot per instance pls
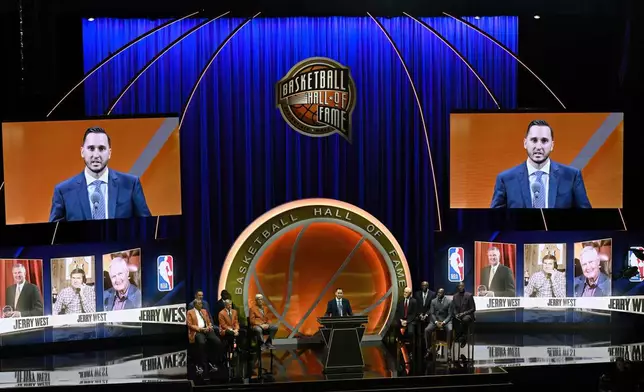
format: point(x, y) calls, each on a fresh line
point(98, 192)
point(23, 297)
point(540, 182)
point(593, 282)
point(338, 306)
point(123, 294)
point(496, 277)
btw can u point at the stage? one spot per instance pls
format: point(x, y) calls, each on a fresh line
point(502, 361)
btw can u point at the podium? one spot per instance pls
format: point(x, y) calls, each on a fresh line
point(342, 337)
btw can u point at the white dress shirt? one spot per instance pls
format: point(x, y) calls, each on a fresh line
point(200, 321)
point(545, 179)
point(104, 186)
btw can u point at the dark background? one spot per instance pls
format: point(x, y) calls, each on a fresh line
point(586, 51)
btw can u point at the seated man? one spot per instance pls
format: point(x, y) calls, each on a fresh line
point(406, 312)
point(440, 317)
point(228, 321)
point(201, 332)
point(204, 305)
point(260, 321)
point(464, 309)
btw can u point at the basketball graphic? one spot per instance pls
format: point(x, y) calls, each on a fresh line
point(317, 97)
point(297, 254)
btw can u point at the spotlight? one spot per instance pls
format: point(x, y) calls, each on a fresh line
point(537, 17)
point(477, 17)
point(90, 19)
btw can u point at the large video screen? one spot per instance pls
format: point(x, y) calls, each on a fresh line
point(536, 160)
point(548, 277)
point(88, 291)
point(91, 169)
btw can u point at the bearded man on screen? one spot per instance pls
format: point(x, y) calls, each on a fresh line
point(98, 192)
point(540, 182)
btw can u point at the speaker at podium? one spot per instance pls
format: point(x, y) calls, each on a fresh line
point(342, 337)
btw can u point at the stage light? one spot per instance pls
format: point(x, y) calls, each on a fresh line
point(477, 17)
point(537, 17)
point(90, 19)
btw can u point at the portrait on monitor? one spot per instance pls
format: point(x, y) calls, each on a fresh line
point(91, 169)
point(593, 268)
point(545, 270)
point(21, 288)
point(495, 269)
point(536, 160)
point(634, 261)
point(122, 280)
point(73, 285)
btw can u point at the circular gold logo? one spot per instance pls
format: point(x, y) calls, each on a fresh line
point(297, 254)
point(317, 97)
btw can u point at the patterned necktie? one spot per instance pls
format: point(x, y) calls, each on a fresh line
point(98, 201)
point(539, 197)
point(340, 307)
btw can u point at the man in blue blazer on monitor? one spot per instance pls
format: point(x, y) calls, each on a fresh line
point(540, 182)
point(98, 192)
point(338, 306)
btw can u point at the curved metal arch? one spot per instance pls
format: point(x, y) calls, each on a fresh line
point(508, 51)
point(422, 115)
point(209, 63)
point(459, 54)
point(119, 51)
point(158, 56)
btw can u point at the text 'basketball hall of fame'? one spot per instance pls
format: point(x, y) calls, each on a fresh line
point(317, 97)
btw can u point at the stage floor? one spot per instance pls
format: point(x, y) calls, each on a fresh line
point(494, 355)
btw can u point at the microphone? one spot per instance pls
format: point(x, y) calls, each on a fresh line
point(536, 188)
point(95, 198)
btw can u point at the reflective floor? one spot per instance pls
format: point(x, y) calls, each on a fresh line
point(492, 353)
point(120, 366)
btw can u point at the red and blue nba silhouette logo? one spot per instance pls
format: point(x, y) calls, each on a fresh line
point(456, 264)
point(634, 261)
point(165, 272)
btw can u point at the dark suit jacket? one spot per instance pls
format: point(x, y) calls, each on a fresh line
point(441, 310)
point(332, 308)
point(466, 305)
point(125, 198)
point(566, 188)
point(133, 300)
point(502, 283)
point(603, 285)
point(412, 311)
point(424, 308)
point(29, 302)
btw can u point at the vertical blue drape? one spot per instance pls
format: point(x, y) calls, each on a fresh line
point(240, 159)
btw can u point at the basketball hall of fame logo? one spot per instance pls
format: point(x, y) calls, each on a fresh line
point(298, 253)
point(317, 97)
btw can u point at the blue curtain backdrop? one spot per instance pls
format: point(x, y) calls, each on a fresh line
point(240, 159)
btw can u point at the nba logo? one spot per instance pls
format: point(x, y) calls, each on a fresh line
point(456, 256)
point(633, 261)
point(165, 269)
